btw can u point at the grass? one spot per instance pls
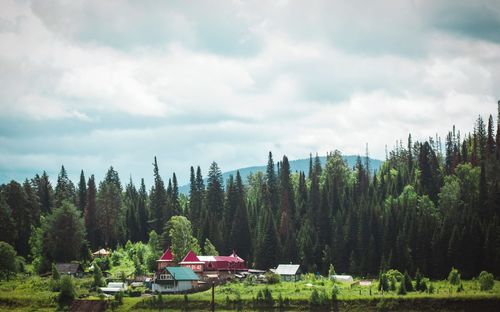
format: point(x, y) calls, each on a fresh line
point(33, 293)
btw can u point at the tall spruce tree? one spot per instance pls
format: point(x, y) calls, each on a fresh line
point(158, 201)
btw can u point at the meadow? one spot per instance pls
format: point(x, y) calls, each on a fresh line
point(33, 293)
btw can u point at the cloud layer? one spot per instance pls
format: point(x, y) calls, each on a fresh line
point(90, 84)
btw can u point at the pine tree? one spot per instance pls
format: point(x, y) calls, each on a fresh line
point(240, 235)
point(214, 206)
point(272, 185)
point(286, 226)
point(90, 213)
point(82, 193)
point(142, 213)
point(65, 189)
point(158, 201)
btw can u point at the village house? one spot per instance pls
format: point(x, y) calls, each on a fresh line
point(73, 269)
point(289, 272)
point(172, 279)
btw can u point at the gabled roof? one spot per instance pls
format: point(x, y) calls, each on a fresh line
point(288, 269)
point(102, 252)
point(182, 274)
point(167, 256)
point(191, 258)
point(71, 268)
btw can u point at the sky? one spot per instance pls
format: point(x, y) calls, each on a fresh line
point(92, 84)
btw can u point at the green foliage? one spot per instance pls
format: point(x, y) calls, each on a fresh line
point(335, 292)
point(418, 281)
point(209, 248)
point(67, 291)
point(454, 277)
point(402, 288)
point(272, 278)
point(64, 234)
point(98, 278)
point(393, 283)
point(486, 281)
point(407, 282)
point(331, 271)
point(181, 237)
point(394, 273)
point(383, 284)
point(8, 265)
point(318, 298)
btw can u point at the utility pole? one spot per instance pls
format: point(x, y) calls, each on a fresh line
point(213, 296)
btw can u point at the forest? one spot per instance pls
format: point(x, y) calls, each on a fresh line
point(433, 205)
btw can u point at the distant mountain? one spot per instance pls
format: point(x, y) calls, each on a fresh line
point(295, 166)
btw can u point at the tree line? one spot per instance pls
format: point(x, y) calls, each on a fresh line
point(431, 206)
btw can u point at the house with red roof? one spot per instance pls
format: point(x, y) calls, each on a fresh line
point(166, 260)
point(192, 261)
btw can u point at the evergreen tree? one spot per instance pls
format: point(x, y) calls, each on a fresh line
point(214, 205)
point(82, 193)
point(272, 185)
point(108, 208)
point(142, 213)
point(90, 214)
point(240, 235)
point(158, 201)
point(44, 192)
point(65, 189)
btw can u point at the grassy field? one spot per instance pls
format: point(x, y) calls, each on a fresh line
point(33, 293)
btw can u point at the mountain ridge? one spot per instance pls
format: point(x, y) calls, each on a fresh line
point(297, 165)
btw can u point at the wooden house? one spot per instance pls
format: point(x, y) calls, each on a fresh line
point(289, 272)
point(73, 269)
point(174, 279)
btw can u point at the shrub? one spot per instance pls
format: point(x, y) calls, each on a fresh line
point(418, 281)
point(98, 280)
point(398, 275)
point(431, 288)
point(454, 277)
point(335, 292)
point(402, 288)
point(331, 271)
point(68, 293)
point(272, 278)
point(103, 263)
point(56, 277)
point(383, 284)
point(8, 265)
point(393, 283)
point(486, 281)
point(407, 281)
point(460, 288)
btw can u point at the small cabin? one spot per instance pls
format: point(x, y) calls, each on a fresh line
point(114, 288)
point(175, 279)
point(72, 269)
point(289, 272)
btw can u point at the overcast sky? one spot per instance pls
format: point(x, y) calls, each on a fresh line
point(90, 84)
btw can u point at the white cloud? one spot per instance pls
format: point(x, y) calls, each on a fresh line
point(230, 81)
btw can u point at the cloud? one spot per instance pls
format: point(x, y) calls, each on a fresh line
point(91, 84)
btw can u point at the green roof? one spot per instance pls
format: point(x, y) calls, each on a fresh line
point(182, 274)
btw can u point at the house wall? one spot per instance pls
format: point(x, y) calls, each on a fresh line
point(179, 286)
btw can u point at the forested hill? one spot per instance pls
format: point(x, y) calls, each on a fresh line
point(298, 165)
point(432, 205)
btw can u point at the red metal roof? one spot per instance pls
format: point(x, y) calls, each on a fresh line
point(191, 257)
point(167, 256)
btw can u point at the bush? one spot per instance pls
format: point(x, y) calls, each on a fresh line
point(383, 284)
point(394, 273)
point(407, 281)
point(486, 281)
point(454, 277)
point(103, 263)
point(393, 283)
point(402, 288)
point(317, 298)
point(8, 265)
point(335, 292)
point(272, 278)
point(98, 279)
point(68, 293)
